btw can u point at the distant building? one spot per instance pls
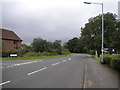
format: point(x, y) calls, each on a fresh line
point(119, 10)
point(10, 41)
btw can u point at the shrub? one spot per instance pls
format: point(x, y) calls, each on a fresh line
point(5, 54)
point(107, 60)
point(113, 61)
point(65, 51)
point(92, 52)
point(30, 54)
point(115, 64)
point(44, 54)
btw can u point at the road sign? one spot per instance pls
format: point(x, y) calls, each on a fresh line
point(13, 55)
point(102, 49)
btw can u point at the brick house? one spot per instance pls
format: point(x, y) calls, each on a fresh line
point(10, 41)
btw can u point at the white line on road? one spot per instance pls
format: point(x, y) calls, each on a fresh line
point(85, 75)
point(9, 66)
point(37, 71)
point(64, 61)
point(69, 58)
point(5, 83)
point(19, 64)
point(1, 67)
point(55, 63)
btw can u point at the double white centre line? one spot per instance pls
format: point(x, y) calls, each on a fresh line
point(37, 71)
point(5, 83)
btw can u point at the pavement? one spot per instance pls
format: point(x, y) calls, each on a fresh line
point(75, 71)
point(100, 75)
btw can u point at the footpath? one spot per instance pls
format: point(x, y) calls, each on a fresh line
point(98, 75)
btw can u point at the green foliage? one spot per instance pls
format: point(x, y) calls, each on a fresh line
point(73, 45)
point(91, 35)
point(107, 60)
point(0, 48)
point(39, 47)
point(44, 54)
point(30, 54)
point(65, 51)
point(115, 64)
point(39, 44)
point(113, 61)
point(35, 57)
point(92, 52)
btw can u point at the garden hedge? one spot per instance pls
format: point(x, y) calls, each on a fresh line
point(113, 61)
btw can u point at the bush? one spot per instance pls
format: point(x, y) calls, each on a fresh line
point(65, 51)
point(30, 54)
point(5, 54)
point(113, 61)
point(92, 52)
point(107, 60)
point(44, 54)
point(115, 64)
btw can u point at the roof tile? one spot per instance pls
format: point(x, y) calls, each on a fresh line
point(8, 34)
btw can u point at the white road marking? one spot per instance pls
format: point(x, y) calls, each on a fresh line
point(85, 75)
point(1, 67)
point(64, 61)
point(55, 63)
point(37, 71)
point(9, 66)
point(19, 64)
point(69, 58)
point(5, 83)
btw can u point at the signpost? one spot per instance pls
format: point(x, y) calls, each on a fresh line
point(13, 55)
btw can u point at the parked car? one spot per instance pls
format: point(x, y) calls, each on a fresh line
point(109, 50)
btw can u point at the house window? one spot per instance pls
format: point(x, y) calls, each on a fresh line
point(14, 42)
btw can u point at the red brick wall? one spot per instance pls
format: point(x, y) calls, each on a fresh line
point(10, 45)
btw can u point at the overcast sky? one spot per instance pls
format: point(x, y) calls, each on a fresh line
point(50, 19)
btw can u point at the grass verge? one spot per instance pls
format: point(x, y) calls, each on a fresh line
point(96, 58)
point(33, 57)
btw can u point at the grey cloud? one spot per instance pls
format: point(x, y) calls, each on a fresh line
point(55, 22)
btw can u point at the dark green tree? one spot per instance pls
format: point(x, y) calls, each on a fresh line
point(39, 45)
point(91, 33)
point(73, 45)
point(57, 46)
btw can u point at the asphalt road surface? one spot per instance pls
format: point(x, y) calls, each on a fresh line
point(75, 71)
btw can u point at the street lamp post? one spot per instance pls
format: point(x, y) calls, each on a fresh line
point(102, 48)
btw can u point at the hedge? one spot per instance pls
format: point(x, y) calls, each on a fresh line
point(113, 61)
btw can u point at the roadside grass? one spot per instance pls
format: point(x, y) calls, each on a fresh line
point(96, 58)
point(35, 57)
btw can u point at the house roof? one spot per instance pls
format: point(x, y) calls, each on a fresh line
point(8, 34)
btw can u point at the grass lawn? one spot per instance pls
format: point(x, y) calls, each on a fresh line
point(55, 56)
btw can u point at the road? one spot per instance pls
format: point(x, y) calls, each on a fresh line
point(75, 71)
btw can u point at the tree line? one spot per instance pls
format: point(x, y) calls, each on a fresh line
point(40, 47)
point(91, 35)
point(89, 42)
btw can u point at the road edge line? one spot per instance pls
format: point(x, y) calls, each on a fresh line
point(4, 83)
point(85, 73)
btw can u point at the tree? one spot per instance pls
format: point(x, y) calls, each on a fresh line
point(39, 45)
point(91, 33)
point(57, 46)
point(73, 45)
